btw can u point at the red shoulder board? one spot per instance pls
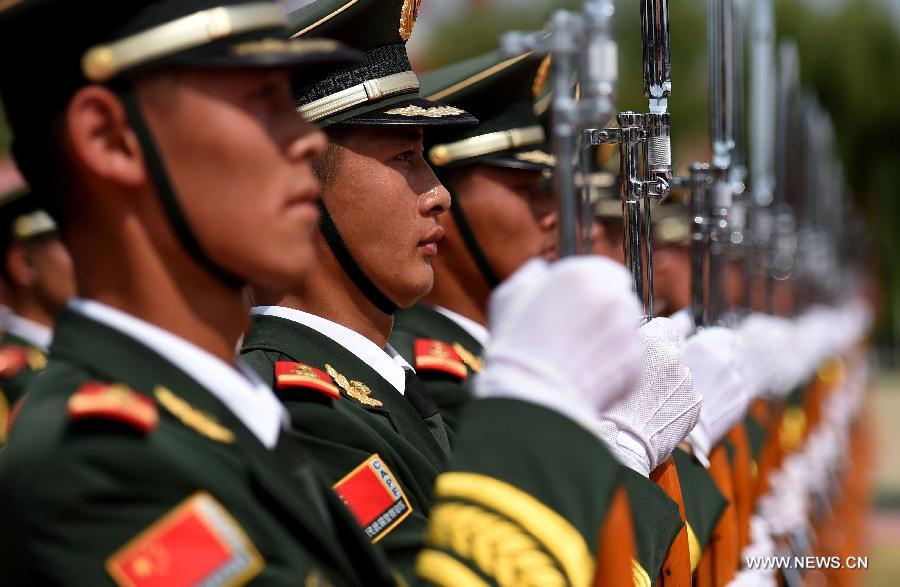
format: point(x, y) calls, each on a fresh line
point(290, 374)
point(13, 359)
point(104, 401)
point(434, 355)
point(197, 543)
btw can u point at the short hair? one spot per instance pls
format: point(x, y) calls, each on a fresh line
point(327, 165)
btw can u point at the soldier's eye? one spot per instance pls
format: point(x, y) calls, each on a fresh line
point(406, 156)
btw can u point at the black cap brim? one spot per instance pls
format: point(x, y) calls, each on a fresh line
point(406, 112)
point(306, 56)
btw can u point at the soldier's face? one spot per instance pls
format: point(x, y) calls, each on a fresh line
point(240, 160)
point(511, 213)
point(385, 200)
point(671, 278)
point(608, 241)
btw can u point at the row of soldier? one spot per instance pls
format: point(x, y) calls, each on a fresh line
point(422, 393)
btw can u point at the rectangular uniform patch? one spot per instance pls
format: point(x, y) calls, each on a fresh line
point(198, 544)
point(375, 497)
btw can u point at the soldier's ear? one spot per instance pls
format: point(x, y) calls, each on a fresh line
point(102, 142)
point(18, 268)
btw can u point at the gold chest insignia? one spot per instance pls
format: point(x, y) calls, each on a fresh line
point(355, 389)
point(192, 417)
point(476, 364)
point(408, 15)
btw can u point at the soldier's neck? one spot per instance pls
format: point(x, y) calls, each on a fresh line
point(190, 303)
point(468, 297)
point(331, 295)
point(24, 303)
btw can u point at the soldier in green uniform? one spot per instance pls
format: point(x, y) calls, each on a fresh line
point(143, 454)
point(378, 238)
point(38, 279)
point(376, 241)
point(502, 216)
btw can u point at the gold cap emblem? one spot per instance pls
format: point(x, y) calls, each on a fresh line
point(408, 15)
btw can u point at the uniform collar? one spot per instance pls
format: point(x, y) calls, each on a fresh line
point(475, 330)
point(38, 335)
point(385, 361)
point(240, 390)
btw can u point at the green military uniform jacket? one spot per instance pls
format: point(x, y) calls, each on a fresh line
point(20, 361)
point(657, 521)
point(342, 433)
point(102, 481)
point(704, 504)
point(450, 390)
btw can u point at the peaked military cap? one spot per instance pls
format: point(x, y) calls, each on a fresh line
point(22, 218)
point(670, 220)
point(500, 91)
point(54, 47)
point(383, 89)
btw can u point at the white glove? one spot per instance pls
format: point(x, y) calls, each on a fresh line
point(767, 347)
point(714, 357)
point(563, 336)
point(643, 428)
point(684, 323)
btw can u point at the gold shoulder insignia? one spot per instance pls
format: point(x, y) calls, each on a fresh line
point(192, 417)
point(503, 529)
point(97, 400)
point(355, 389)
point(476, 364)
point(36, 358)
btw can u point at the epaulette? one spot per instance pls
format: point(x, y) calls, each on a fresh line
point(434, 355)
point(13, 358)
point(289, 374)
point(97, 400)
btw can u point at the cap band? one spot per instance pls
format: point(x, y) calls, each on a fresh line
point(104, 62)
point(504, 140)
point(369, 90)
point(33, 224)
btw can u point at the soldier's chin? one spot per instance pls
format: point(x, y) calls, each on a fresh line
point(285, 278)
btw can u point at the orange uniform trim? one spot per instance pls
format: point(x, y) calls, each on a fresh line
point(676, 568)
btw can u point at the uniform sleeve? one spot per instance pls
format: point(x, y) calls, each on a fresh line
point(528, 509)
point(109, 509)
point(347, 449)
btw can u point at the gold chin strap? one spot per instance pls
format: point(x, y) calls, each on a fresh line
point(373, 89)
point(103, 62)
point(494, 142)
